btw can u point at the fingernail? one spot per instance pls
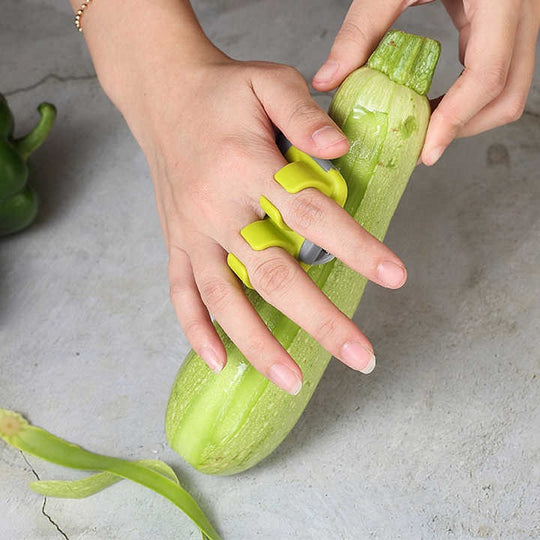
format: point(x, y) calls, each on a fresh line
point(391, 274)
point(434, 155)
point(327, 136)
point(358, 356)
point(211, 358)
point(285, 378)
point(326, 72)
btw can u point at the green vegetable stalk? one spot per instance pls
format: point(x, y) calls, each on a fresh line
point(153, 474)
point(18, 200)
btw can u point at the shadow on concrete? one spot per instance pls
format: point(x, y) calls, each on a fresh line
point(54, 171)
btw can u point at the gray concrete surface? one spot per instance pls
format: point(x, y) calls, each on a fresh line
point(441, 441)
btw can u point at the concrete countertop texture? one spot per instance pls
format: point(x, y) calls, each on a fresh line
point(442, 440)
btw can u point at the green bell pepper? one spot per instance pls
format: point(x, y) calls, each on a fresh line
point(18, 200)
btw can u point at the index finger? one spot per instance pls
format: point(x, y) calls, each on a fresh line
point(487, 61)
point(363, 27)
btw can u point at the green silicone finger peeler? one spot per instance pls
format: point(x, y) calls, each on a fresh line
point(302, 172)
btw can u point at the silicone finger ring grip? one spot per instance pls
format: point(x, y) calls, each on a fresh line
point(300, 173)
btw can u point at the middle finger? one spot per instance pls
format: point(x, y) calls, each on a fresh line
point(320, 219)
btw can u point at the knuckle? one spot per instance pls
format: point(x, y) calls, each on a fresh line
point(175, 252)
point(177, 287)
point(272, 275)
point(231, 155)
point(513, 110)
point(353, 33)
point(289, 72)
point(282, 73)
point(493, 78)
point(194, 329)
point(450, 117)
point(303, 112)
point(176, 292)
point(327, 329)
point(215, 293)
point(254, 349)
point(305, 211)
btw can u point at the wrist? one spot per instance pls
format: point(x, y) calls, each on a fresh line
point(133, 49)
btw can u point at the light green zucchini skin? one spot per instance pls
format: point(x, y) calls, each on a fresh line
point(225, 423)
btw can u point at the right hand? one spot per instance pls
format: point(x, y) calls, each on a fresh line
point(497, 44)
point(209, 140)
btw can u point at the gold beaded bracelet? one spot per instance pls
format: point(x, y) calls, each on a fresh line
point(79, 14)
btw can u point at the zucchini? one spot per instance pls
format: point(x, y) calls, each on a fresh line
point(225, 423)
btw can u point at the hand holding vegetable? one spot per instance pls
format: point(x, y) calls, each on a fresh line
point(497, 42)
point(225, 424)
point(205, 123)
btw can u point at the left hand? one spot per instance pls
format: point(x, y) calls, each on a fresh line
point(497, 43)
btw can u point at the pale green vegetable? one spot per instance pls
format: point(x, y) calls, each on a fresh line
point(225, 423)
point(86, 487)
point(153, 474)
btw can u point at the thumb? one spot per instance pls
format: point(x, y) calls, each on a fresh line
point(364, 26)
point(287, 102)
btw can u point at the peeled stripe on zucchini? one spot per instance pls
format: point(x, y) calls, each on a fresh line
point(225, 423)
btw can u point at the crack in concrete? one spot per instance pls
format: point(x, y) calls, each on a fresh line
point(45, 501)
point(50, 77)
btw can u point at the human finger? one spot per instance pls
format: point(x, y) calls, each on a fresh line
point(487, 62)
point(191, 311)
point(321, 220)
point(363, 27)
point(279, 279)
point(286, 99)
point(223, 296)
point(510, 104)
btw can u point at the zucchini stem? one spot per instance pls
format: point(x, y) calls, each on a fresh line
point(407, 59)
